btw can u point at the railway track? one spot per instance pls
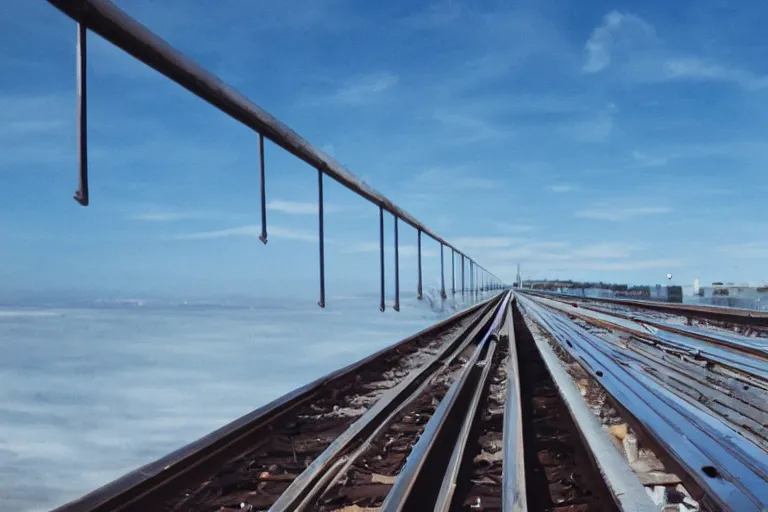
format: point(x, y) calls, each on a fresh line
point(697, 398)
point(520, 403)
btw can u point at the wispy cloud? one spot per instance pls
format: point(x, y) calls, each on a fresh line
point(507, 227)
point(562, 188)
point(405, 250)
point(470, 127)
point(251, 231)
point(538, 250)
point(605, 250)
point(299, 208)
point(618, 214)
point(605, 37)
point(171, 216)
point(624, 266)
point(596, 127)
point(484, 242)
point(365, 88)
point(629, 44)
point(452, 178)
point(550, 259)
point(649, 160)
point(746, 250)
point(695, 69)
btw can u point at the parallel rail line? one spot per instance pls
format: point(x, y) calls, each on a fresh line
point(483, 411)
point(714, 313)
point(709, 425)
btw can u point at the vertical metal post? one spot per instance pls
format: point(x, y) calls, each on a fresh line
point(383, 305)
point(397, 269)
point(321, 231)
point(81, 194)
point(453, 272)
point(463, 289)
point(442, 274)
point(419, 296)
point(262, 180)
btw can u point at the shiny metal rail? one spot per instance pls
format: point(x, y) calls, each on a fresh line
point(114, 25)
point(716, 313)
point(737, 357)
point(309, 486)
point(731, 383)
point(149, 485)
point(625, 488)
point(729, 471)
point(752, 345)
point(419, 486)
point(513, 495)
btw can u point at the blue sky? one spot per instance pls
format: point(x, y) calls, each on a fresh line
point(590, 140)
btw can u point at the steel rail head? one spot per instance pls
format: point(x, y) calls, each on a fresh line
point(737, 358)
point(625, 488)
point(446, 494)
point(309, 483)
point(398, 498)
point(513, 495)
point(733, 341)
point(107, 20)
point(717, 313)
point(730, 472)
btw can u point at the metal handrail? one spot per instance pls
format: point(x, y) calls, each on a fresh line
point(114, 25)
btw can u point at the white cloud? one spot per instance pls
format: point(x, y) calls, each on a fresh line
point(471, 127)
point(746, 250)
point(552, 259)
point(562, 188)
point(483, 242)
point(299, 208)
point(618, 214)
point(604, 250)
point(615, 29)
point(533, 250)
point(695, 69)
point(459, 178)
point(251, 231)
point(648, 160)
point(595, 128)
point(405, 250)
point(513, 228)
point(629, 44)
point(365, 88)
point(169, 216)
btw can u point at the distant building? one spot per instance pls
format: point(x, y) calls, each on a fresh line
point(734, 296)
point(667, 293)
point(696, 286)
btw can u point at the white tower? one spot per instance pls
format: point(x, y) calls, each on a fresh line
point(696, 286)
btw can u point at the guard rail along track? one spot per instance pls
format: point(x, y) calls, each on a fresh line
point(115, 26)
